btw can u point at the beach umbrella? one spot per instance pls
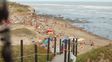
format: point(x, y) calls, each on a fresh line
point(50, 30)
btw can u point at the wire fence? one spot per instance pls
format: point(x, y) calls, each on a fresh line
point(30, 55)
point(65, 46)
point(34, 54)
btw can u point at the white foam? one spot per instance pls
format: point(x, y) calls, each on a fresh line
point(96, 7)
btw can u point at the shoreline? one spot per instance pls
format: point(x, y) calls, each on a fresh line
point(102, 41)
point(61, 19)
point(92, 33)
point(75, 27)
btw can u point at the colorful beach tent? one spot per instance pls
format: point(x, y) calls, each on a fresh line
point(45, 41)
point(50, 31)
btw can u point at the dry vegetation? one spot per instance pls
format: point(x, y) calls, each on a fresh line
point(103, 54)
point(29, 54)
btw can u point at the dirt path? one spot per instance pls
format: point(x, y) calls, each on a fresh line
point(58, 58)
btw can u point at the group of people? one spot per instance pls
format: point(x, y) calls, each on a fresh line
point(42, 25)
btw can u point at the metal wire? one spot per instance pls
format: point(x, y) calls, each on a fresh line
point(28, 56)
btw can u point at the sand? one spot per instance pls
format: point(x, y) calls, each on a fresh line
point(62, 28)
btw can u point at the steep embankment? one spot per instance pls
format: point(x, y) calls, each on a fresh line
point(103, 54)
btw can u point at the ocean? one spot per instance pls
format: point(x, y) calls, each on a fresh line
point(98, 15)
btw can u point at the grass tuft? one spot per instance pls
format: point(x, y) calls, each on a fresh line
point(96, 55)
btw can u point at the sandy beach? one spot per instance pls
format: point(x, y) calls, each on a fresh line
point(26, 18)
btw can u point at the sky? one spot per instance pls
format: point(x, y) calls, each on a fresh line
point(66, 0)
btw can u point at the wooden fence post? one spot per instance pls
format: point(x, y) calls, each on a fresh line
point(55, 46)
point(48, 49)
point(60, 46)
point(76, 46)
point(69, 50)
point(21, 50)
point(36, 53)
point(65, 51)
point(73, 46)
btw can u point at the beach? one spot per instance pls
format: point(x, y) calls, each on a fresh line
point(86, 15)
point(26, 18)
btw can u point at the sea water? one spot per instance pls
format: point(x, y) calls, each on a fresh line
point(98, 14)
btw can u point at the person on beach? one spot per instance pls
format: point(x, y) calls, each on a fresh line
point(92, 43)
